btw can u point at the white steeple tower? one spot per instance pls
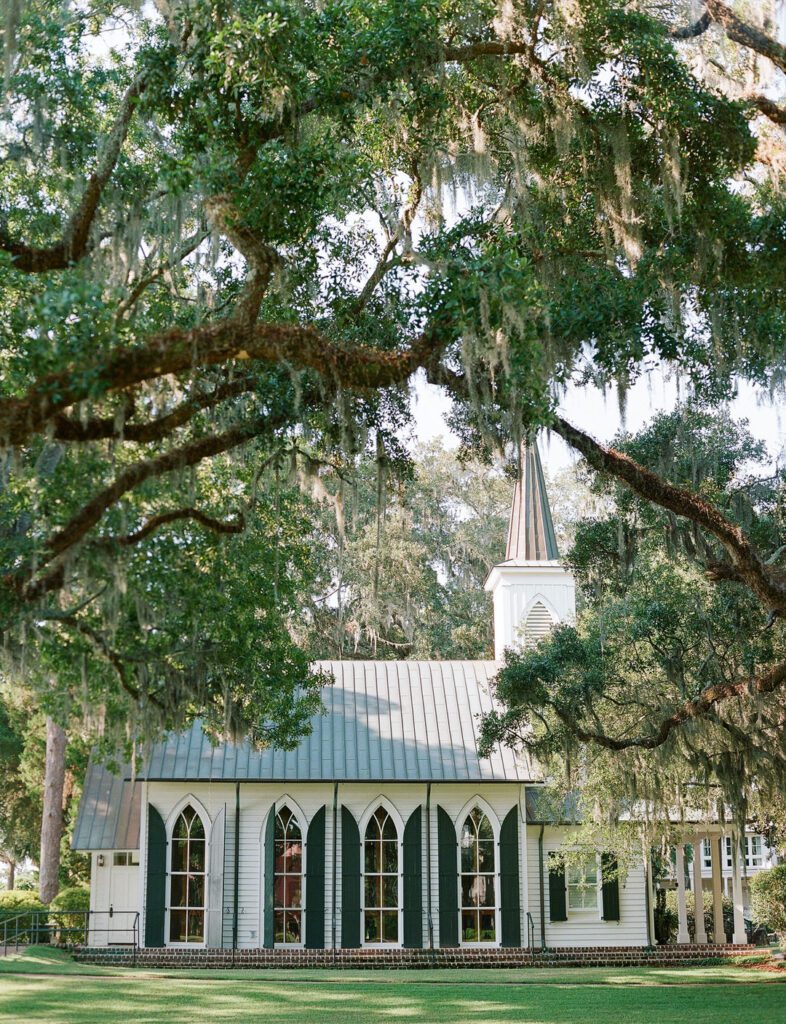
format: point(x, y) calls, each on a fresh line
point(532, 591)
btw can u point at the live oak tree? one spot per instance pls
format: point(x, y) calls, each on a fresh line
point(227, 227)
point(666, 691)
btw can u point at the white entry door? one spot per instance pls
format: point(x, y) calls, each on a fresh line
point(123, 899)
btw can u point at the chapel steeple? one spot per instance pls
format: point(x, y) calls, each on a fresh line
point(532, 591)
point(531, 536)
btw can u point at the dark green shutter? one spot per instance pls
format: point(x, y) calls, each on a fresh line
point(315, 882)
point(510, 899)
point(155, 903)
point(350, 881)
point(557, 904)
point(447, 851)
point(270, 874)
point(610, 886)
point(413, 881)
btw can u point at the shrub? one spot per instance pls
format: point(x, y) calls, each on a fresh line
point(70, 928)
point(29, 927)
point(768, 899)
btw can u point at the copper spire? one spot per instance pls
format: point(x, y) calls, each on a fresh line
point(531, 536)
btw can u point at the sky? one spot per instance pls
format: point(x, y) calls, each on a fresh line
point(599, 414)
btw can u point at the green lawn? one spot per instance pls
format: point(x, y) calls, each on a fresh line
point(45, 986)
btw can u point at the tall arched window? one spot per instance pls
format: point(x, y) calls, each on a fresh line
point(187, 879)
point(381, 899)
point(288, 879)
point(478, 874)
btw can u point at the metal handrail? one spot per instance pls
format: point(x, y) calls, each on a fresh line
point(40, 926)
point(531, 932)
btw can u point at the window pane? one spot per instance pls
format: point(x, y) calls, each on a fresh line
point(278, 855)
point(181, 828)
point(196, 890)
point(294, 856)
point(372, 927)
point(197, 828)
point(179, 891)
point(177, 926)
point(373, 891)
point(293, 891)
point(390, 856)
point(487, 926)
point(485, 856)
point(485, 831)
point(196, 930)
point(293, 933)
point(278, 891)
point(486, 889)
point(469, 856)
point(196, 855)
point(373, 857)
point(469, 891)
point(469, 926)
point(389, 829)
point(390, 926)
point(278, 926)
point(179, 854)
point(390, 891)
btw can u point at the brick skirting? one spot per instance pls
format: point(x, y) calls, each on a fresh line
point(381, 959)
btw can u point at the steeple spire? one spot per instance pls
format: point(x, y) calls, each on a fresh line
point(531, 536)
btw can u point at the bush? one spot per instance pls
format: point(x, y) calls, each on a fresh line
point(75, 898)
point(768, 899)
point(29, 927)
point(709, 917)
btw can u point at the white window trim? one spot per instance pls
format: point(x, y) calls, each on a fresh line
point(488, 810)
point(398, 821)
point(597, 910)
point(207, 824)
point(303, 822)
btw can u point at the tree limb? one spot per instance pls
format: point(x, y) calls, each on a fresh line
point(70, 428)
point(739, 31)
point(694, 30)
point(745, 561)
point(155, 522)
point(179, 349)
point(771, 681)
point(770, 109)
point(73, 244)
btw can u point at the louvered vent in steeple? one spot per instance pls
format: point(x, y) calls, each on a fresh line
point(537, 624)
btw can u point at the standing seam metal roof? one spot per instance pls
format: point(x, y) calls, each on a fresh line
point(397, 721)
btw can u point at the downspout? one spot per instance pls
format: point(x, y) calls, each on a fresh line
point(542, 889)
point(648, 894)
point(428, 866)
point(335, 852)
point(236, 869)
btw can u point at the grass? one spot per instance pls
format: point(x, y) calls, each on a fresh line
point(45, 986)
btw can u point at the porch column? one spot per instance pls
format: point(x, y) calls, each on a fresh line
point(739, 937)
point(716, 845)
point(698, 893)
point(683, 936)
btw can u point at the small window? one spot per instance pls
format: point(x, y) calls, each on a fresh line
point(706, 854)
point(754, 852)
point(583, 885)
point(120, 860)
point(133, 857)
point(125, 858)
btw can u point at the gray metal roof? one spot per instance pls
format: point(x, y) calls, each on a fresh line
point(108, 816)
point(394, 721)
point(384, 721)
point(531, 536)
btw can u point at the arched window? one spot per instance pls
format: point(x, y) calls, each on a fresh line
point(537, 624)
point(381, 879)
point(478, 875)
point(288, 879)
point(187, 879)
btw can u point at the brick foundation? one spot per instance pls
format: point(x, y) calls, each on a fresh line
point(381, 959)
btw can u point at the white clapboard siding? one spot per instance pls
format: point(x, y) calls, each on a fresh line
point(585, 928)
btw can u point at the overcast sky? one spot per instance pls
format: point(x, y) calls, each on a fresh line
point(599, 414)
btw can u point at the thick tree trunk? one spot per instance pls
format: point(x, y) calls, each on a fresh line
point(52, 822)
point(11, 874)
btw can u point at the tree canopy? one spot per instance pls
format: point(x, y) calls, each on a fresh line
point(228, 228)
